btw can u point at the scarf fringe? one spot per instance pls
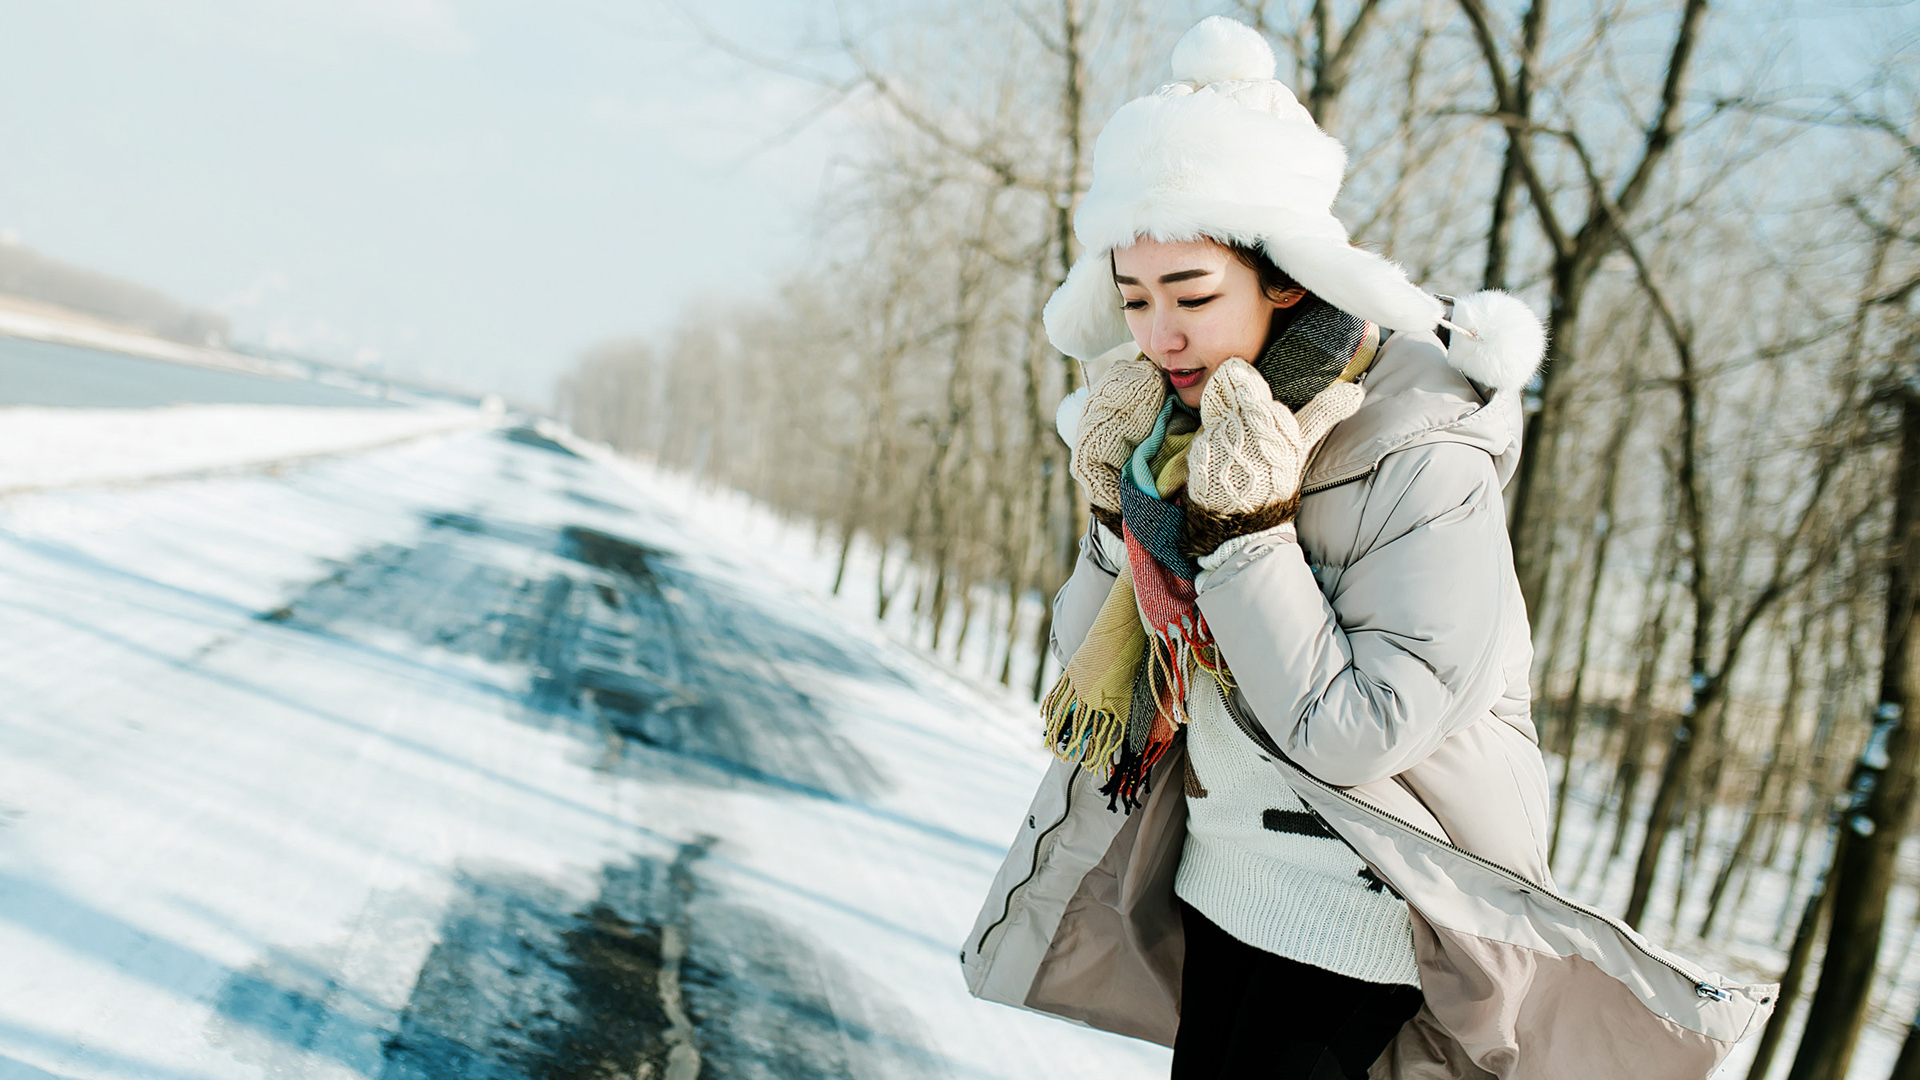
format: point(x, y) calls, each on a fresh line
point(1078, 732)
point(1096, 739)
point(1206, 653)
point(1178, 651)
point(1127, 788)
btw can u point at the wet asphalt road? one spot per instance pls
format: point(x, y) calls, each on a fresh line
point(658, 673)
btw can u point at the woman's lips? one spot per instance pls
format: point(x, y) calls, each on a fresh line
point(1186, 377)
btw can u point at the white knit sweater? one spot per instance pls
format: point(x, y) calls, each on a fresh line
point(1266, 870)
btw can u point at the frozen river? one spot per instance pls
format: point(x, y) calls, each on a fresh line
point(69, 376)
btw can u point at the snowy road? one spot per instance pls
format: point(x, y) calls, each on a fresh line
point(467, 757)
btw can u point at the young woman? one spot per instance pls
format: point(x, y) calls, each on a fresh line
point(1298, 824)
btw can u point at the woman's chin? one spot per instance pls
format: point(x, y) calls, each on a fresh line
point(1190, 395)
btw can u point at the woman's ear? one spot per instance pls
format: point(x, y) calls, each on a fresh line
point(1290, 297)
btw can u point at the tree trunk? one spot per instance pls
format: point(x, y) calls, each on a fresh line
point(883, 596)
point(1797, 959)
point(1577, 255)
point(1500, 228)
point(1707, 688)
point(1763, 787)
point(1907, 1067)
point(1833, 687)
point(1882, 798)
point(1633, 750)
point(1527, 513)
point(1567, 731)
point(1611, 748)
point(1750, 828)
point(1013, 628)
point(1042, 642)
point(1666, 799)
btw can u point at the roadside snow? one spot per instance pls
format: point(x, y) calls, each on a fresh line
point(51, 448)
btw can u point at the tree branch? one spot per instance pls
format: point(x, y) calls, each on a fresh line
point(1510, 114)
point(1660, 136)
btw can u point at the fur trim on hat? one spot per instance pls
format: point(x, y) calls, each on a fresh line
point(1083, 317)
point(1066, 417)
point(1497, 341)
point(1228, 154)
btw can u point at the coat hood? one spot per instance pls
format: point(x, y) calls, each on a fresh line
point(1417, 395)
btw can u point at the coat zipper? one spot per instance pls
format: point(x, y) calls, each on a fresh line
point(1006, 909)
point(1261, 739)
point(1337, 481)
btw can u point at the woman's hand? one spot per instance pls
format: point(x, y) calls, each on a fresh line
point(1243, 472)
point(1120, 411)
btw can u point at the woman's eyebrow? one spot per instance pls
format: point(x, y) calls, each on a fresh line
point(1165, 279)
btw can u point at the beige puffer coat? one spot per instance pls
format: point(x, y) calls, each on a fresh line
point(1381, 651)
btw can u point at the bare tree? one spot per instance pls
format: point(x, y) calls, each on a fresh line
point(1882, 792)
point(1576, 251)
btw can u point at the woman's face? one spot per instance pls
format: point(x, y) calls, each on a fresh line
point(1191, 305)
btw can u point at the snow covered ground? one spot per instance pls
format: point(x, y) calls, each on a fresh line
point(469, 756)
point(61, 448)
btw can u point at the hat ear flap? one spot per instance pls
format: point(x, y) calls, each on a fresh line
point(1083, 317)
point(1354, 280)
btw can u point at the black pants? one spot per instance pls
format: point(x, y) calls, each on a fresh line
point(1247, 1014)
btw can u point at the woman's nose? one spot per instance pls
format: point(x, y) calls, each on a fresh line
point(1167, 338)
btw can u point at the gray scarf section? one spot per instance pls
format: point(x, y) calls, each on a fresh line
point(1310, 351)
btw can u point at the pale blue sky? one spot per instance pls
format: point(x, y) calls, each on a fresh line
point(471, 191)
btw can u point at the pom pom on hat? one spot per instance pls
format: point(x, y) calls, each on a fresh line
point(1498, 341)
point(1218, 49)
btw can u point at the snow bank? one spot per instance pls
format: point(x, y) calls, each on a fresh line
point(43, 448)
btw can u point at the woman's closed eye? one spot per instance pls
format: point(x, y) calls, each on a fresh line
point(1189, 303)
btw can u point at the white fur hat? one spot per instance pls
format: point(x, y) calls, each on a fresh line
point(1226, 152)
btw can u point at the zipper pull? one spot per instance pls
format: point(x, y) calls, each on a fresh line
point(1712, 993)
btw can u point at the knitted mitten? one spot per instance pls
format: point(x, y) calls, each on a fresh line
point(1119, 414)
point(1243, 472)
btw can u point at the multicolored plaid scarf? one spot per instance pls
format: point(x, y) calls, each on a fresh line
point(1123, 696)
point(1122, 700)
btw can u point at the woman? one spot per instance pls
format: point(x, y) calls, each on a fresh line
point(1298, 825)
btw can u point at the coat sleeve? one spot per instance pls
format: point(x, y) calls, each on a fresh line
point(1366, 680)
point(1079, 600)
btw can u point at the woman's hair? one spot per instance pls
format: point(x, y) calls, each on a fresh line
point(1273, 280)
